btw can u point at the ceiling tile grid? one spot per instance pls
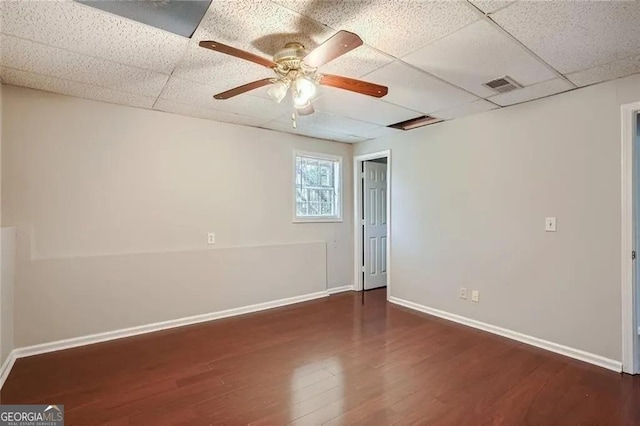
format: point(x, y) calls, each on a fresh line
point(260, 27)
point(476, 55)
point(617, 69)
point(72, 26)
point(395, 27)
point(217, 70)
point(358, 62)
point(208, 113)
point(575, 35)
point(311, 131)
point(433, 55)
point(30, 56)
point(331, 122)
point(474, 107)
point(411, 88)
point(381, 132)
point(188, 92)
point(72, 88)
point(491, 6)
point(540, 90)
point(358, 107)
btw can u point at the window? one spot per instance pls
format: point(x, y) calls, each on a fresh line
point(318, 188)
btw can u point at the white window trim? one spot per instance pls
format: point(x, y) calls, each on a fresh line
point(318, 219)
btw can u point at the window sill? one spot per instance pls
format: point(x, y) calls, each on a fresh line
point(317, 220)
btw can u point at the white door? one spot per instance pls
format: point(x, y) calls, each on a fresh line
point(375, 225)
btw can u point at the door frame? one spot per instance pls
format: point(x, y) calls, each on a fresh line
point(358, 236)
point(630, 338)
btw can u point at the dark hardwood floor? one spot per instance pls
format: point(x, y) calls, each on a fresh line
point(329, 361)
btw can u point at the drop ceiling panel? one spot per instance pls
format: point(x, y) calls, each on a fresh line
point(311, 131)
point(209, 114)
point(86, 30)
point(395, 27)
point(413, 89)
point(260, 27)
point(490, 6)
point(618, 69)
point(361, 107)
point(536, 91)
point(477, 54)
point(575, 35)
point(45, 60)
point(219, 71)
point(71, 88)
point(331, 122)
point(381, 132)
point(474, 107)
point(357, 63)
point(188, 92)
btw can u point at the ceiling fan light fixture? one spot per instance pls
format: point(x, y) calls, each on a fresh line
point(305, 87)
point(299, 101)
point(278, 91)
point(303, 90)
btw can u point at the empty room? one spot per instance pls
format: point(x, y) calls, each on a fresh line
point(319, 212)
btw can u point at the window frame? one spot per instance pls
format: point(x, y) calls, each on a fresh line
point(339, 187)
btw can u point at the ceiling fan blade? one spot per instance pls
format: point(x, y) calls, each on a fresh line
point(339, 44)
point(244, 88)
point(354, 85)
point(306, 110)
point(223, 48)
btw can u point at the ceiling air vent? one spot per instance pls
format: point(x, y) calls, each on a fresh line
point(414, 123)
point(503, 84)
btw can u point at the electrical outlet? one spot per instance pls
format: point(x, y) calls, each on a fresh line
point(211, 238)
point(463, 293)
point(550, 224)
point(475, 296)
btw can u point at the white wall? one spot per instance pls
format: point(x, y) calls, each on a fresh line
point(112, 206)
point(469, 198)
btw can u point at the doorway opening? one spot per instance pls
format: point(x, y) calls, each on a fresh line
point(630, 238)
point(372, 231)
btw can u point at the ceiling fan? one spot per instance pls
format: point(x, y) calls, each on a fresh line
point(297, 69)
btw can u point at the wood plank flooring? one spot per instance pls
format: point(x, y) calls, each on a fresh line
point(331, 361)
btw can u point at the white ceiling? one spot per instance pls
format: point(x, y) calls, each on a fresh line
point(433, 55)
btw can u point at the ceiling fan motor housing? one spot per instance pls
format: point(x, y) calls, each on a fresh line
point(290, 58)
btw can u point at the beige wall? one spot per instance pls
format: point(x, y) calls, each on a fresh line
point(7, 275)
point(469, 198)
point(113, 204)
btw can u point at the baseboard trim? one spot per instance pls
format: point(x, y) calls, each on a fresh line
point(148, 328)
point(6, 367)
point(578, 354)
point(342, 289)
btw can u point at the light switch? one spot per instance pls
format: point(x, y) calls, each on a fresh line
point(463, 293)
point(475, 296)
point(550, 224)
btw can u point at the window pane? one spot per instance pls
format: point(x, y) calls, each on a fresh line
point(317, 182)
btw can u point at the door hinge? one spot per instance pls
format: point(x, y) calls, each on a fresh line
point(362, 175)
point(362, 268)
point(633, 255)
